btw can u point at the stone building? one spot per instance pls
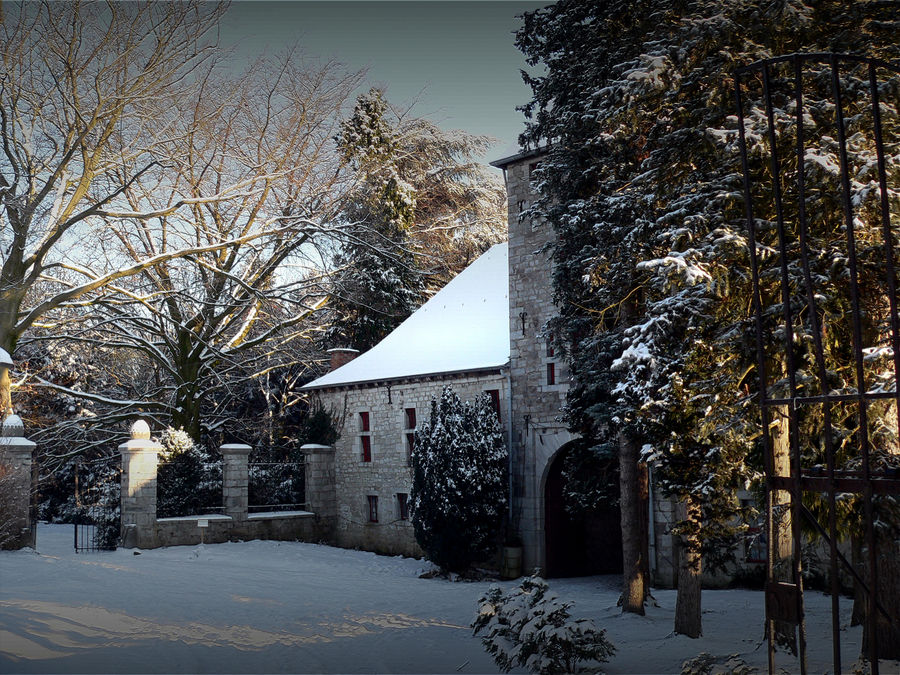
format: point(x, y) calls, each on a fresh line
point(486, 331)
point(459, 338)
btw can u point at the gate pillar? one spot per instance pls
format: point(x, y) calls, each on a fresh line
point(235, 479)
point(321, 494)
point(138, 505)
point(16, 454)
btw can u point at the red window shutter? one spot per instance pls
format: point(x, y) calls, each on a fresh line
point(410, 418)
point(495, 400)
point(366, 448)
point(551, 373)
point(363, 421)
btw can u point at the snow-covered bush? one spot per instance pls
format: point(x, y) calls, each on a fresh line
point(707, 664)
point(187, 482)
point(532, 628)
point(458, 496)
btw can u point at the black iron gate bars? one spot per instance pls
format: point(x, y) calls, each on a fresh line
point(792, 244)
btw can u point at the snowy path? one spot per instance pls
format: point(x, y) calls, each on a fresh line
point(267, 607)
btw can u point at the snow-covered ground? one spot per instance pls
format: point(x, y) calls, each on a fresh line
point(271, 607)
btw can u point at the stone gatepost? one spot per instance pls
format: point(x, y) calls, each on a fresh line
point(235, 477)
point(16, 454)
point(138, 501)
point(321, 494)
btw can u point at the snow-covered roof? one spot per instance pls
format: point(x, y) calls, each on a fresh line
point(463, 327)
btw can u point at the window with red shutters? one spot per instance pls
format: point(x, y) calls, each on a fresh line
point(365, 437)
point(551, 373)
point(495, 400)
point(410, 414)
point(410, 446)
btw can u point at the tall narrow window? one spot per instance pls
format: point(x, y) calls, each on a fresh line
point(551, 373)
point(409, 435)
point(495, 400)
point(551, 352)
point(403, 505)
point(365, 437)
point(373, 508)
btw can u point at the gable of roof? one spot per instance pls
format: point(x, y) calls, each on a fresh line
point(464, 327)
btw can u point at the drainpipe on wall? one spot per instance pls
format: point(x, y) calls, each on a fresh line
point(509, 444)
point(651, 529)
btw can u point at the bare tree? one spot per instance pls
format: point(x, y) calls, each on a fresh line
point(88, 95)
point(230, 282)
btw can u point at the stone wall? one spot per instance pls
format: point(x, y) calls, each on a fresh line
point(388, 473)
point(142, 529)
point(537, 394)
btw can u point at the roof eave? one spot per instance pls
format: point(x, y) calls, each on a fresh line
point(405, 378)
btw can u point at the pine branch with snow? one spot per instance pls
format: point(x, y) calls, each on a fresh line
point(530, 627)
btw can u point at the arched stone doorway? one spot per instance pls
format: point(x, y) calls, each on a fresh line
point(578, 545)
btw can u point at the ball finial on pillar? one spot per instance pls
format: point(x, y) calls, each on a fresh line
point(140, 430)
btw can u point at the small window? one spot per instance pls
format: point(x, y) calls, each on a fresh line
point(410, 446)
point(495, 400)
point(373, 508)
point(551, 373)
point(403, 505)
point(366, 447)
point(410, 418)
point(364, 421)
point(551, 352)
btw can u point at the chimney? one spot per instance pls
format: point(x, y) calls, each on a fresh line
point(341, 356)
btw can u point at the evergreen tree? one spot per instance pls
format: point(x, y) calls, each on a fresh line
point(458, 497)
point(379, 284)
point(423, 210)
point(643, 187)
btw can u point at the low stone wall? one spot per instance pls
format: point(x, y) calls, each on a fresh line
point(142, 529)
point(284, 526)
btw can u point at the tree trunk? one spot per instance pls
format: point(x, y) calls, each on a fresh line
point(858, 616)
point(634, 583)
point(644, 483)
point(888, 594)
point(690, 571)
point(5, 400)
point(783, 544)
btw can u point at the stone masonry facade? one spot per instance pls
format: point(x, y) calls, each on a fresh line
point(539, 379)
point(371, 484)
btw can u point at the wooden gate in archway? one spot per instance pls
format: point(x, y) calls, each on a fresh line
point(824, 227)
point(582, 544)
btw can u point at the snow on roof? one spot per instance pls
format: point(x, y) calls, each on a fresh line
point(464, 327)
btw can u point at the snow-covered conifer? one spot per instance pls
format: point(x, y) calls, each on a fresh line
point(458, 498)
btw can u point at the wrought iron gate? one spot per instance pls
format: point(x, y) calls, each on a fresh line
point(824, 258)
point(96, 523)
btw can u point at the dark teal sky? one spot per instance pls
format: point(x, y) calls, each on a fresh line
point(457, 57)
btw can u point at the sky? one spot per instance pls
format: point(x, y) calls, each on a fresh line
point(457, 59)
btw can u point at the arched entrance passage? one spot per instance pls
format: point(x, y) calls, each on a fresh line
point(578, 545)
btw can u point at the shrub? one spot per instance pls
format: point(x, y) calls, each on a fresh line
point(530, 627)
